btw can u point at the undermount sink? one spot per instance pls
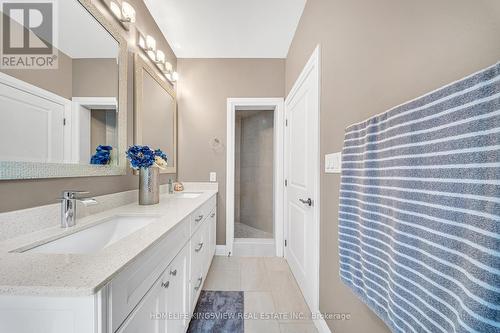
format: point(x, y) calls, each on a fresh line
point(96, 237)
point(187, 195)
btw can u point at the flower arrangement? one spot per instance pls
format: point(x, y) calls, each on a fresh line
point(145, 157)
point(102, 155)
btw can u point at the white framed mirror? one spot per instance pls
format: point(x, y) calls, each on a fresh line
point(67, 119)
point(155, 112)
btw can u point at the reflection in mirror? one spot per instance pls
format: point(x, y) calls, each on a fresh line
point(155, 112)
point(63, 114)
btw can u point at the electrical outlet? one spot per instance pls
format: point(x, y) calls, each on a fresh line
point(213, 177)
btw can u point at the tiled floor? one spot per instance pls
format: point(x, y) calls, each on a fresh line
point(273, 301)
point(242, 230)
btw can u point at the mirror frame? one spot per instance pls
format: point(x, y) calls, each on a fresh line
point(35, 170)
point(141, 66)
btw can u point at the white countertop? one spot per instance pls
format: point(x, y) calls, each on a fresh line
point(38, 274)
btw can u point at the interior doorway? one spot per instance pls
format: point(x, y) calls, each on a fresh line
point(254, 194)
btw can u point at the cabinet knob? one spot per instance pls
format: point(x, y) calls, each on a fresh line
point(165, 284)
point(173, 273)
point(199, 218)
point(213, 215)
point(200, 282)
point(200, 246)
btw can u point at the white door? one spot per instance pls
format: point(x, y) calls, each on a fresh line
point(301, 174)
point(31, 127)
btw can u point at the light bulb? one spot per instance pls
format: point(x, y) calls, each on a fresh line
point(128, 12)
point(150, 43)
point(142, 42)
point(175, 76)
point(160, 57)
point(115, 9)
point(168, 67)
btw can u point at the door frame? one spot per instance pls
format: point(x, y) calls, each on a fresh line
point(234, 104)
point(313, 64)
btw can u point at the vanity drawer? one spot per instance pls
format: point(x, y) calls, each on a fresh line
point(201, 214)
point(129, 286)
point(199, 248)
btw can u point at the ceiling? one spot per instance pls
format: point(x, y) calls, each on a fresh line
point(228, 28)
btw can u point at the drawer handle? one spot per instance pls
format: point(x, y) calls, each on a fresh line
point(200, 282)
point(199, 218)
point(213, 215)
point(200, 246)
point(165, 284)
point(173, 273)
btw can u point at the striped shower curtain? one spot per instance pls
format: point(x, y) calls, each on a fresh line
point(419, 221)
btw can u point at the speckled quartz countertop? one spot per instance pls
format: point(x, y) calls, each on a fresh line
point(84, 274)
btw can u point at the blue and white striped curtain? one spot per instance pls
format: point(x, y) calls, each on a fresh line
point(419, 221)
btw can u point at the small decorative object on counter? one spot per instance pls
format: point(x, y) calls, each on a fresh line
point(148, 162)
point(178, 187)
point(102, 155)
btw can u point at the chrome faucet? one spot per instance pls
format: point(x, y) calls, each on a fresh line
point(68, 206)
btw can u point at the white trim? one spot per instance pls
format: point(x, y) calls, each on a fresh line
point(220, 250)
point(314, 63)
point(254, 247)
point(276, 104)
point(32, 89)
point(101, 103)
point(321, 325)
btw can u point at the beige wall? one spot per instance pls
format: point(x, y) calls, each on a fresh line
point(95, 78)
point(21, 194)
point(375, 55)
point(202, 95)
point(57, 81)
point(256, 170)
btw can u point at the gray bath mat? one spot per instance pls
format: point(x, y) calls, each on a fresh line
point(218, 312)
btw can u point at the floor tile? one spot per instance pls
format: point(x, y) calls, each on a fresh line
point(223, 280)
point(259, 306)
point(253, 275)
point(274, 264)
point(225, 263)
point(307, 327)
point(262, 326)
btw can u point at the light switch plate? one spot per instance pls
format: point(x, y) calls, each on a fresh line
point(213, 177)
point(333, 163)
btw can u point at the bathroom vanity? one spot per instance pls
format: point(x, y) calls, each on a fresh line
point(127, 269)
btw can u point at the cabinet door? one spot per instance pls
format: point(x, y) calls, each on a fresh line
point(212, 222)
point(148, 315)
point(177, 296)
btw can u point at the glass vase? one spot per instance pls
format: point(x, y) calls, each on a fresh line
point(149, 186)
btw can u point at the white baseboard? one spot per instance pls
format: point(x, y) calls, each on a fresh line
point(220, 250)
point(254, 247)
point(322, 326)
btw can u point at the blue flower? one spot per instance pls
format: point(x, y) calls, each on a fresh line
point(160, 153)
point(140, 156)
point(102, 155)
point(104, 148)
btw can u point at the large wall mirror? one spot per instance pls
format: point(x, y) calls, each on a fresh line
point(68, 119)
point(155, 114)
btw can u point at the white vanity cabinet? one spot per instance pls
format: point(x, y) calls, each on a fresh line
point(168, 305)
point(156, 292)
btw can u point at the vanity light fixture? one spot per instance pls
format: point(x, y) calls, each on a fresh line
point(148, 44)
point(123, 12)
point(172, 77)
point(160, 58)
